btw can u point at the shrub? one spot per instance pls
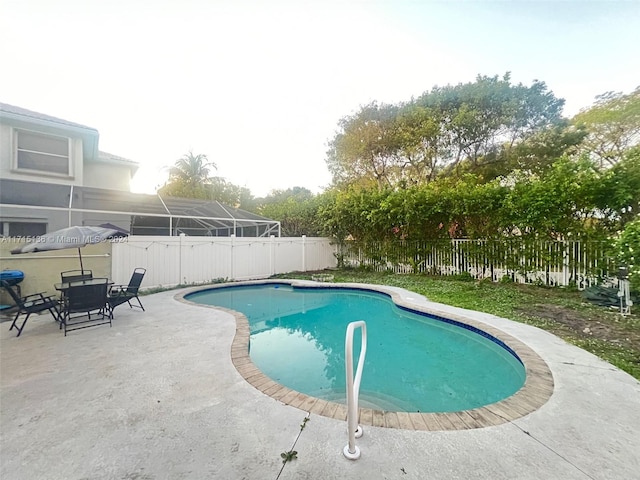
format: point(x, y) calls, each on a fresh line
point(463, 277)
point(628, 252)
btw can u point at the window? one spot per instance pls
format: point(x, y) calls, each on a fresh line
point(23, 229)
point(43, 153)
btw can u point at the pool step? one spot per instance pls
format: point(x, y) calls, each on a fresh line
point(373, 400)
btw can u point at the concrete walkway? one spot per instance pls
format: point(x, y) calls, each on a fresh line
point(157, 397)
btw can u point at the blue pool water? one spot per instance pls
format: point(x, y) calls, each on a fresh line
point(414, 362)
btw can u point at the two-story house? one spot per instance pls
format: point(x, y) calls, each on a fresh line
point(53, 175)
point(42, 158)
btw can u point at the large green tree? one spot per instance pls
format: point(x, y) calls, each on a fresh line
point(491, 113)
point(296, 208)
point(616, 194)
point(613, 126)
point(364, 150)
point(223, 191)
point(413, 142)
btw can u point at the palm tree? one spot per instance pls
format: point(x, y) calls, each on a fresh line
point(191, 171)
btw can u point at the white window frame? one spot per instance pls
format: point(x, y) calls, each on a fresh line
point(16, 150)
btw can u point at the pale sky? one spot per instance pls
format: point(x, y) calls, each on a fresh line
point(259, 86)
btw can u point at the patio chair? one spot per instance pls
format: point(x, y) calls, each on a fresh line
point(85, 305)
point(34, 303)
point(74, 275)
point(119, 294)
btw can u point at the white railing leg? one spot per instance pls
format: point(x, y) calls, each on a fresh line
point(351, 451)
point(624, 293)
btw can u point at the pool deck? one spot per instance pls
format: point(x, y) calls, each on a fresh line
point(157, 396)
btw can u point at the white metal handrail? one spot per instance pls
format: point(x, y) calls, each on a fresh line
point(624, 293)
point(351, 451)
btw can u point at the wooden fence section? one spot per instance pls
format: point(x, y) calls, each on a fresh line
point(559, 263)
point(191, 260)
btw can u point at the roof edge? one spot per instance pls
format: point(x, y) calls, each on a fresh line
point(13, 112)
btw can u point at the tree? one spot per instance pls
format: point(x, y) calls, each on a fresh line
point(278, 196)
point(613, 126)
point(189, 176)
point(220, 190)
point(421, 142)
point(616, 194)
point(532, 156)
point(445, 131)
point(628, 252)
point(295, 208)
point(491, 114)
point(363, 151)
point(556, 204)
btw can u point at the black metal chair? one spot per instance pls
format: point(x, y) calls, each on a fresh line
point(119, 294)
point(74, 275)
point(34, 303)
point(85, 305)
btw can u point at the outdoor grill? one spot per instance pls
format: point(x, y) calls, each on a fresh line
point(9, 279)
point(12, 277)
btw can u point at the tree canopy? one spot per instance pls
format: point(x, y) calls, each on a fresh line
point(295, 208)
point(190, 177)
point(433, 135)
point(612, 125)
point(484, 159)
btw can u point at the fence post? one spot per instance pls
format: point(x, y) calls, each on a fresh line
point(304, 253)
point(565, 264)
point(181, 238)
point(233, 238)
point(272, 254)
point(456, 250)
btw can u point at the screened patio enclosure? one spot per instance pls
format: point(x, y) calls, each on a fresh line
point(36, 208)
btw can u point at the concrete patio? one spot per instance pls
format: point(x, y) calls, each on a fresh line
point(157, 397)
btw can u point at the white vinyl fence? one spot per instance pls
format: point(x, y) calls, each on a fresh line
point(191, 260)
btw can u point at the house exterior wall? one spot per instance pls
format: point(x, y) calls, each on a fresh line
point(104, 175)
point(6, 149)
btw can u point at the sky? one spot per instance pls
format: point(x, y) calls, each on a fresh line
point(259, 86)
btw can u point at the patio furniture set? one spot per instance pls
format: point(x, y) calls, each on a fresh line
point(85, 301)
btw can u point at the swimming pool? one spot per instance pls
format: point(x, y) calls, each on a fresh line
point(416, 362)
